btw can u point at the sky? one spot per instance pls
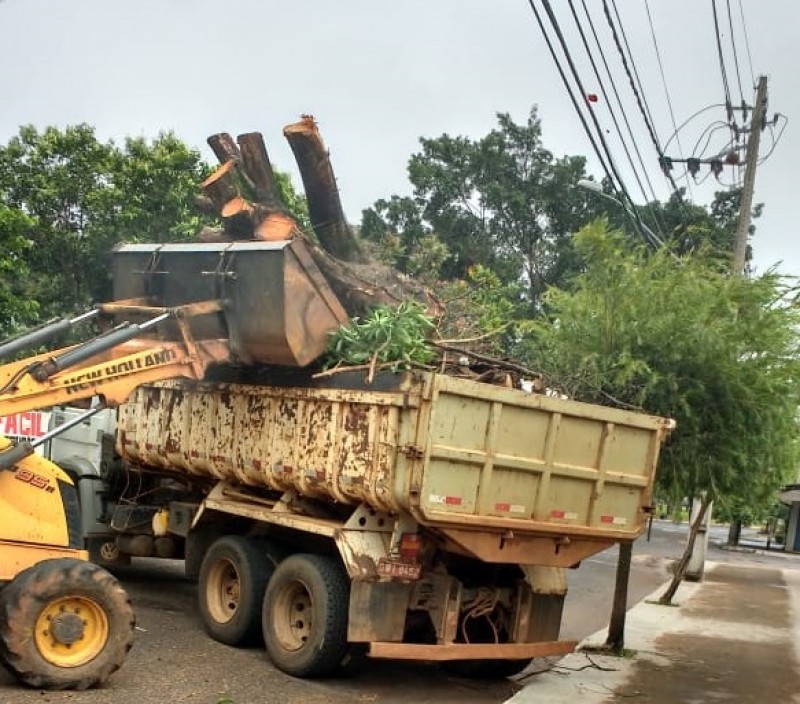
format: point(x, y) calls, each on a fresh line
point(377, 76)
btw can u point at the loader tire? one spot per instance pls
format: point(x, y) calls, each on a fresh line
point(305, 615)
point(64, 624)
point(233, 578)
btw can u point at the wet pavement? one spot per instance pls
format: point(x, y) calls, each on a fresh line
point(731, 638)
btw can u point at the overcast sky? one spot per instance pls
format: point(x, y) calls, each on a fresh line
point(378, 75)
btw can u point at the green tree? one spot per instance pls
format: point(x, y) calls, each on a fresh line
point(17, 307)
point(502, 201)
point(85, 196)
point(684, 339)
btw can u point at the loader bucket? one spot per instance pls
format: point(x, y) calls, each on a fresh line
point(277, 306)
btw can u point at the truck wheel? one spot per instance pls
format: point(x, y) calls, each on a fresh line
point(105, 552)
point(305, 615)
point(64, 624)
point(233, 577)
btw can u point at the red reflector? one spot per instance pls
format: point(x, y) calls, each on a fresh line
point(557, 514)
point(606, 519)
point(502, 507)
point(452, 500)
point(410, 544)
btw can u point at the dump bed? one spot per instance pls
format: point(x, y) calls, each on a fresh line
point(454, 453)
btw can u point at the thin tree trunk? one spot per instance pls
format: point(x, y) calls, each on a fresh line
point(616, 625)
point(677, 577)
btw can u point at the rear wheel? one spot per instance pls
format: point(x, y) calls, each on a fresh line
point(305, 615)
point(64, 624)
point(233, 577)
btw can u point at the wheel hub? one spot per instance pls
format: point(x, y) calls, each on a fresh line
point(67, 628)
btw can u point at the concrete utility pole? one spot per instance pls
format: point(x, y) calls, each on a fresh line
point(751, 159)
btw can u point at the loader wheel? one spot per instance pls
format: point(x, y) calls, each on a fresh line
point(233, 577)
point(64, 624)
point(305, 615)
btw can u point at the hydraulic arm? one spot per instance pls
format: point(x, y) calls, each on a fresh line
point(109, 366)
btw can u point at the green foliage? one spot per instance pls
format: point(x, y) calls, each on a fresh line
point(503, 202)
point(296, 204)
point(388, 336)
point(682, 338)
point(85, 196)
point(402, 240)
point(481, 306)
point(18, 307)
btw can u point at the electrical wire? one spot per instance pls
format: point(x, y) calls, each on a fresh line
point(692, 117)
point(639, 98)
point(735, 53)
point(708, 131)
point(562, 41)
point(610, 108)
point(666, 89)
point(617, 96)
point(570, 92)
point(747, 43)
point(632, 62)
point(775, 140)
point(725, 85)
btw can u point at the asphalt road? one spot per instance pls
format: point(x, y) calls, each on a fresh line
point(173, 660)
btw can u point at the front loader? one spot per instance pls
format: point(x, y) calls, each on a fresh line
point(66, 623)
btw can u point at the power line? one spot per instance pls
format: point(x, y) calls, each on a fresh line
point(632, 62)
point(735, 53)
point(608, 102)
point(747, 43)
point(612, 112)
point(557, 29)
point(725, 85)
point(639, 99)
point(666, 90)
point(567, 85)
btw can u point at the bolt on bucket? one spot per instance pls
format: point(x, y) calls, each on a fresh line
point(277, 307)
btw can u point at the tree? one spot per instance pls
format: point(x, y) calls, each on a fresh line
point(682, 338)
point(85, 196)
point(502, 201)
point(17, 306)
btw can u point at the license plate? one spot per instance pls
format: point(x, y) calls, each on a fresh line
point(399, 570)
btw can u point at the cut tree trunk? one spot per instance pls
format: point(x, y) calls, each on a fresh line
point(224, 147)
point(324, 204)
point(221, 187)
point(255, 162)
point(243, 193)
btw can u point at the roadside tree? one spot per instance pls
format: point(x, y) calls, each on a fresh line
point(683, 339)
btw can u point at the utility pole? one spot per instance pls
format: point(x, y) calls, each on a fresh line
point(751, 159)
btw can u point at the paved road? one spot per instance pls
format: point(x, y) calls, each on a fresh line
point(173, 660)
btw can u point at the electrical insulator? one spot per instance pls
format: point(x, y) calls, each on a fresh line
point(666, 164)
point(716, 167)
point(693, 165)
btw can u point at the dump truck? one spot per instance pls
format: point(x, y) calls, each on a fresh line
point(419, 516)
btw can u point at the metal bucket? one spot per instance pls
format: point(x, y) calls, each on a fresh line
point(277, 306)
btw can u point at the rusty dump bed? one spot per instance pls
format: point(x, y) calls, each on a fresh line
point(277, 307)
point(455, 454)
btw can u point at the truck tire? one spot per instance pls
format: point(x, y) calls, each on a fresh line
point(104, 552)
point(233, 577)
point(305, 615)
point(64, 624)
